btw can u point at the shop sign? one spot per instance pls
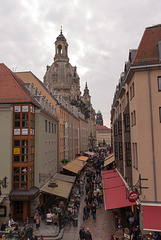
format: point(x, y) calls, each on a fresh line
point(16, 131)
point(16, 151)
point(24, 131)
point(17, 108)
point(25, 108)
point(20, 198)
point(133, 196)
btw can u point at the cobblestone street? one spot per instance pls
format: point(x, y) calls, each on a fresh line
point(100, 230)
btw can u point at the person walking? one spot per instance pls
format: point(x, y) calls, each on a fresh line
point(85, 213)
point(88, 235)
point(98, 200)
point(34, 237)
point(82, 233)
point(37, 220)
point(41, 237)
point(93, 208)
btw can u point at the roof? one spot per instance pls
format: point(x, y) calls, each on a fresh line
point(147, 52)
point(102, 128)
point(61, 37)
point(62, 189)
point(29, 77)
point(82, 158)
point(65, 178)
point(109, 160)
point(75, 166)
point(99, 112)
point(12, 89)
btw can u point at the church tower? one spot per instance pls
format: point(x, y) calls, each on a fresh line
point(86, 96)
point(99, 119)
point(61, 75)
point(61, 48)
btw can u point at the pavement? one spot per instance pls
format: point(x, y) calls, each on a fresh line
point(100, 230)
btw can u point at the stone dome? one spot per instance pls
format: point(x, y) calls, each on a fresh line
point(61, 72)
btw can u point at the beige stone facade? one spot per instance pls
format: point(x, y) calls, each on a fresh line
point(103, 135)
point(64, 79)
point(136, 120)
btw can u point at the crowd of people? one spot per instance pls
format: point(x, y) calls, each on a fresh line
point(93, 194)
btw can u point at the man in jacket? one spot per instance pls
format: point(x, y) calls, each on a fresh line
point(82, 233)
point(88, 235)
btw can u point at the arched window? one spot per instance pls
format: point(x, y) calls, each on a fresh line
point(59, 49)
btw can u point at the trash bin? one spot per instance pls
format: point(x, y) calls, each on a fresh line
point(75, 222)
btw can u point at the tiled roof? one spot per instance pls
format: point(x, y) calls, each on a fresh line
point(12, 89)
point(102, 128)
point(147, 52)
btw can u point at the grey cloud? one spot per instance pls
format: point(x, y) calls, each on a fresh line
point(104, 30)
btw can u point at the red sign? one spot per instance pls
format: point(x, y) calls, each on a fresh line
point(133, 196)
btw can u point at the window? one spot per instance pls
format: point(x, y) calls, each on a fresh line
point(120, 151)
point(46, 127)
point(54, 128)
point(16, 143)
point(135, 155)
point(119, 127)
point(128, 154)
point(115, 130)
point(134, 118)
point(132, 91)
point(127, 122)
point(159, 83)
point(116, 150)
point(49, 127)
point(160, 114)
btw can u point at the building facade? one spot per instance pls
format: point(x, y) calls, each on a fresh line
point(103, 135)
point(136, 118)
point(30, 140)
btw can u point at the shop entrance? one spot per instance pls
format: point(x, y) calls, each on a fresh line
point(18, 210)
point(21, 210)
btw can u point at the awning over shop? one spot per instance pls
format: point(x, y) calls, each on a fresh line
point(115, 191)
point(62, 189)
point(75, 166)
point(90, 153)
point(151, 218)
point(109, 160)
point(24, 195)
point(65, 178)
point(82, 158)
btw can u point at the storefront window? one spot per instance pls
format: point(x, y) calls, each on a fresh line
point(16, 158)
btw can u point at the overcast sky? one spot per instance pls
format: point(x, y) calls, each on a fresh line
point(99, 34)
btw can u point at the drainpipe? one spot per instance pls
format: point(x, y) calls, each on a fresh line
point(152, 132)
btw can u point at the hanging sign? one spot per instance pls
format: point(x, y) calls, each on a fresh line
point(133, 196)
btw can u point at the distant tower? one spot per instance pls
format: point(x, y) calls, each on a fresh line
point(99, 119)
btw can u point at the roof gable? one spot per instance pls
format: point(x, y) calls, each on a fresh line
point(147, 52)
point(12, 89)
